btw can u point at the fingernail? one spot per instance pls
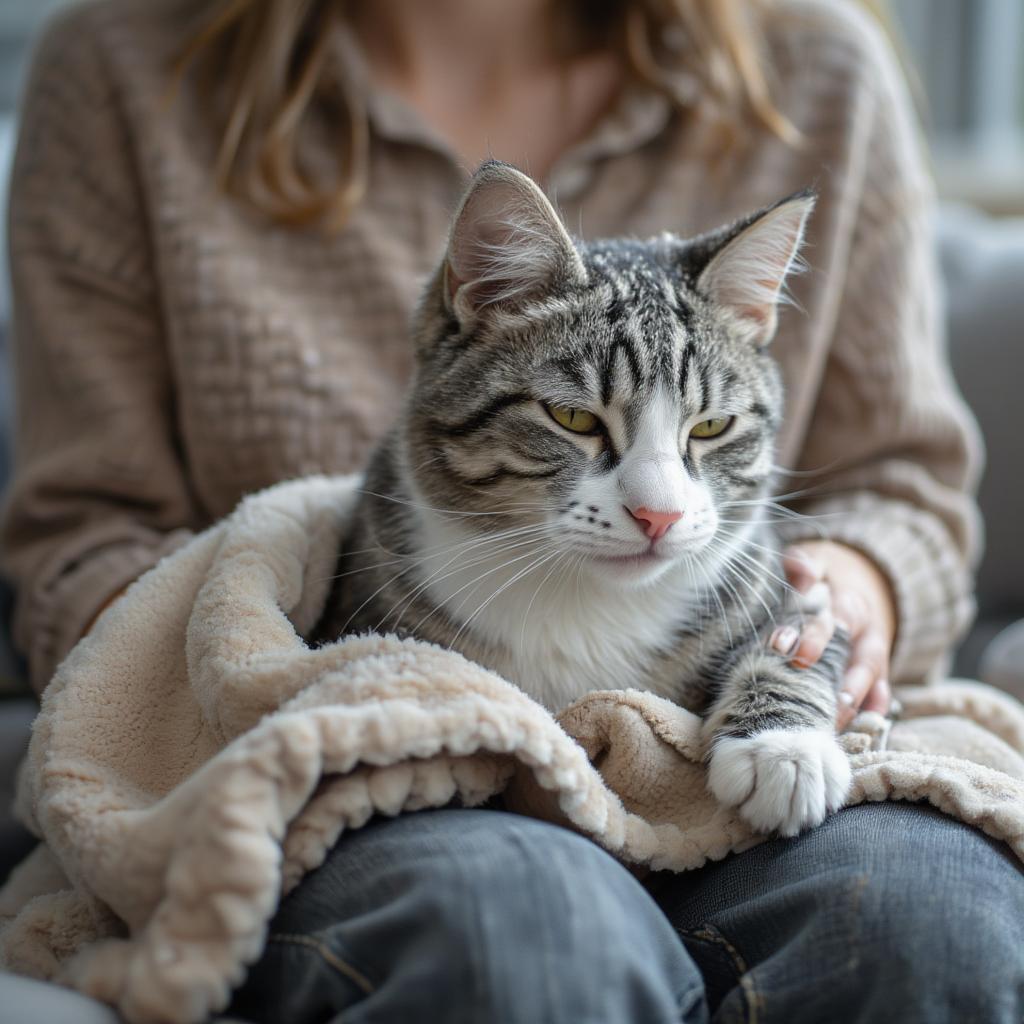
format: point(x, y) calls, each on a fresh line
point(846, 699)
point(785, 639)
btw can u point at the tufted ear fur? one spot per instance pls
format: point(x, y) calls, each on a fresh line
point(745, 276)
point(507, 244)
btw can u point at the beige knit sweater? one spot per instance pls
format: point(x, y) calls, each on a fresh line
point(174, 351)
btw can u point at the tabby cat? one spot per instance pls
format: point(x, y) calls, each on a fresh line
point(575, 492)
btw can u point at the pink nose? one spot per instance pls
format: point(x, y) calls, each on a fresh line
point(655, 524)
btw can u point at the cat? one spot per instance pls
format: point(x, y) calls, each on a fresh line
point(574, 494)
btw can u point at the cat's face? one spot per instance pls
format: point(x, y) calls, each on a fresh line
point(613, 402)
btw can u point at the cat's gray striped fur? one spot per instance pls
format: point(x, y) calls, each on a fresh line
point(489, 526)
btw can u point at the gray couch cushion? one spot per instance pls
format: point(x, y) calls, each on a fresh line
point(983, 264)
point(1002, 664)
point(15, 843)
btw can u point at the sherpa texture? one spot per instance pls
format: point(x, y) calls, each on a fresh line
point(193, 759)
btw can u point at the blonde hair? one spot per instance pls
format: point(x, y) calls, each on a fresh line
point(276, 57)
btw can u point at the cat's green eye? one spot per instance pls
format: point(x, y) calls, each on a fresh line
point(579, 421)
point(711, 428)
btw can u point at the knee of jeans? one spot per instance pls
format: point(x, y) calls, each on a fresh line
point(528, 875)
point(572, 920)
point(934, 901)
point(493, 916)
point(532, 913)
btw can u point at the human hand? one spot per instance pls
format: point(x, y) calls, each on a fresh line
point(860, 599)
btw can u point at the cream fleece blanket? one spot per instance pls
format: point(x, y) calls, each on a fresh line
point(193, 759)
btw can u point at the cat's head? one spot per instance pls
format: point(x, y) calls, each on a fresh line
point(615, 398)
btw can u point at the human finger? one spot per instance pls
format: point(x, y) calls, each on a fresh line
point(802, 569)
point(868, 664)
point(817, 626)
point(815, 635)
point(851, 611)
point(879, 698)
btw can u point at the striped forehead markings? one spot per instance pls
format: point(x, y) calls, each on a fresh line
point(663, 321)
point(615, 311)
point(574, 369)
point(693, 377)
point(684, 312)
point(704, 380)
point(622, 343)
point(685, 357)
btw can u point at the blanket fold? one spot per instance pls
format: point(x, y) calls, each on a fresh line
point(194, 758)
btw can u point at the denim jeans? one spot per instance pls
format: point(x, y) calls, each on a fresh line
point(887, 912)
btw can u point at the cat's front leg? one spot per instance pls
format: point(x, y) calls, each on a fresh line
point(770, 739)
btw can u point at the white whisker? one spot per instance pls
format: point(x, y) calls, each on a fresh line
point(526, 614)
point(475, 582)
point(541, 560)
point(480, 558)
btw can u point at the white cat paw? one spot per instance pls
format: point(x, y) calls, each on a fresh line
point(784, 780)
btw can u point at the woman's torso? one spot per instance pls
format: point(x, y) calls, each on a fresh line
point(289, 349)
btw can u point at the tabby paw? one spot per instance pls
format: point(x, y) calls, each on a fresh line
point(783, 780)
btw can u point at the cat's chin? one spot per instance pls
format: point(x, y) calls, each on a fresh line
point(631, 570)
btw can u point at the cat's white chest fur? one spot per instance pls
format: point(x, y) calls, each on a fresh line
point(548, 625)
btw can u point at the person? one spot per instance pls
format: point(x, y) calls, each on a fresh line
point(220, 218)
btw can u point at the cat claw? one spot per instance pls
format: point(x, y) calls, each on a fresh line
point(783, 780)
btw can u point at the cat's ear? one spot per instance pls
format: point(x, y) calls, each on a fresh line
point(745, 276)
point(507, 244)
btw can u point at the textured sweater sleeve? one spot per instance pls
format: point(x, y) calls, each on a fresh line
point(898, 450)
point(99, 493)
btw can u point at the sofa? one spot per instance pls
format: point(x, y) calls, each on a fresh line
point(983, 267)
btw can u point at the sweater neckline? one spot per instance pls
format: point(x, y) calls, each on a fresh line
point(637, 115)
